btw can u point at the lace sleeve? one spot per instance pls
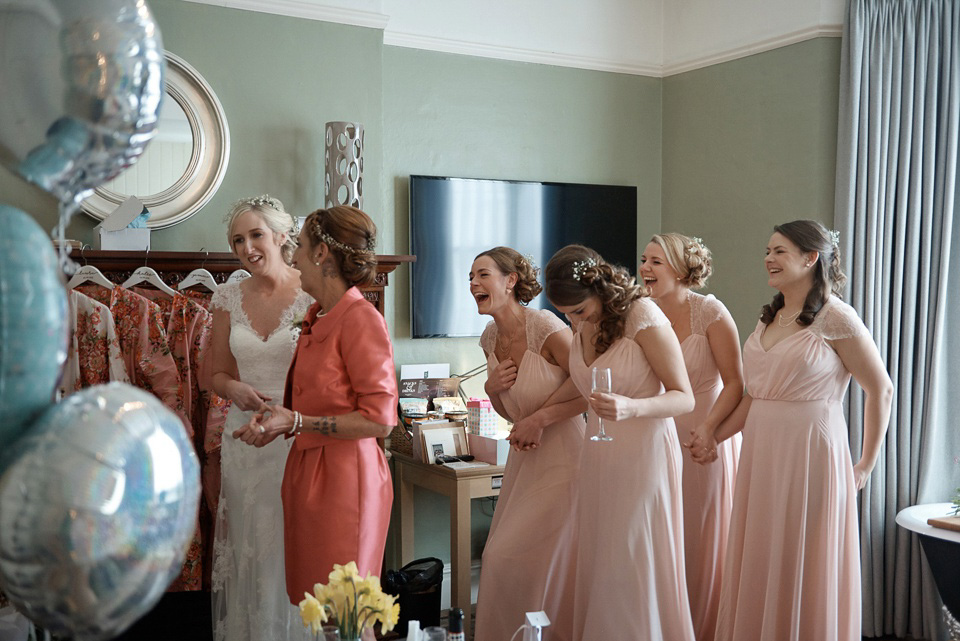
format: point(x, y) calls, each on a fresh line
point(711, 310)
point(838, 320)
point(488, 339)
point(541, 325)
point(225, 297)
point(644, 314)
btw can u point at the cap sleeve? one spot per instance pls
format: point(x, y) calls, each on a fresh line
point(541, 324)
point(838, 320)
point(488, 339)
point(644, 314)
point(226, 297)
point(708, 311)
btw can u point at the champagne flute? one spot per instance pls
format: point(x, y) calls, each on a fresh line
point(602, 382)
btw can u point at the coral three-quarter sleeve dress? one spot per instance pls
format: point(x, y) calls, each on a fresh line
point(337, 493)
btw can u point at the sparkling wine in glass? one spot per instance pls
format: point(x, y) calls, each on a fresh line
point(602, 382)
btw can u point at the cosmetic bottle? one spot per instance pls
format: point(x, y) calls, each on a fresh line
point(455, 632)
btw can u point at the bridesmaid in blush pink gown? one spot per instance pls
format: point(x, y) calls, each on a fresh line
point(630, 565)
point(672, 265)
point(529, 558)
point(792, 570)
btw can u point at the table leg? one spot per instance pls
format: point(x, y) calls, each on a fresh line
point(460, 553)
point(405, 488)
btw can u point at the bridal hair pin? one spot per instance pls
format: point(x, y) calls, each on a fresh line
point(264, 200)
point(697, 243)
point(533, 265)
point(834, 237)
point(580, 266)
point(347, 249)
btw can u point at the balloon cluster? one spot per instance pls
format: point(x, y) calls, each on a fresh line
point(98, 493)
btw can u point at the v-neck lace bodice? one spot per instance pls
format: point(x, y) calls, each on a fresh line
point(262, 361)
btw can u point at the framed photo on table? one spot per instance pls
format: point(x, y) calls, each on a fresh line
point(446, 438)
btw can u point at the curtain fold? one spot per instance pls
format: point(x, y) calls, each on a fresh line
point(896, 208)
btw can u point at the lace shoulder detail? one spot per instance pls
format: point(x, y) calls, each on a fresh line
point(226, 298)
point(300, 306)
point(642, 315)
point(838, 320)
point(541, 323)
point(704, 312)
point(488, 340)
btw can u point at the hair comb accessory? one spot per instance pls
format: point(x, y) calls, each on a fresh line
point(834, 237)
point(697, 243)
point(581, 266)
point(533, 265)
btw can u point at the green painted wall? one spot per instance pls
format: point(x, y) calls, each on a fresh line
point(748, 144)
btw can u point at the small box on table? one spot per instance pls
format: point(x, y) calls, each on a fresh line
point(489, 449)
point(481, 417)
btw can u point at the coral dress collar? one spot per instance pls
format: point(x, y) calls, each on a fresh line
point(318, 325)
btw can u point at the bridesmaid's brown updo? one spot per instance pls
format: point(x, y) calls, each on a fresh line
point(811, 236)
point(351, 237)
point(510, 261)
point(576, 272)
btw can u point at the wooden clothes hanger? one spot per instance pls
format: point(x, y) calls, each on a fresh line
point(199, 277)
point(89, 274)
point(148, 276)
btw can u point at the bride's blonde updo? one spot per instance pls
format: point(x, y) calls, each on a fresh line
point(274, 216)
point(576, 272)
point(511, 261)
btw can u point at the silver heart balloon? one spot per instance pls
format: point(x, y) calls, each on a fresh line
point(97, 508)
point(82, 83)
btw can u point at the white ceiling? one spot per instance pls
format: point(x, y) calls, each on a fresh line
point(643, 37)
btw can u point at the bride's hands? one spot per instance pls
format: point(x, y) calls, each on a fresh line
point(265, 425)
point(246, 397)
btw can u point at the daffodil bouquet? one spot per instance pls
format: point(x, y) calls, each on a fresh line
point(354, 602)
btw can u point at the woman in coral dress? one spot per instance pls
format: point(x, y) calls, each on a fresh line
point(672, 265)
point(254, 336)
point(341, 396)
point(529, 558)
point(630, 566)
point(792, 570)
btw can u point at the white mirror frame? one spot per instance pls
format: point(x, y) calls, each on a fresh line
point(208, 161)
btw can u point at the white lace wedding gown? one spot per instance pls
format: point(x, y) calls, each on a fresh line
point(249, 585)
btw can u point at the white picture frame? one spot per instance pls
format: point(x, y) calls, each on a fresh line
point(449, 439)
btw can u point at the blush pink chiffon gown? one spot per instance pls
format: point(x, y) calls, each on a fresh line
point(792, 570)
point(529, 558)
point(707, 489)
point(630, 566)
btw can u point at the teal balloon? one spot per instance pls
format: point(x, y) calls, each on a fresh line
point(33, 316)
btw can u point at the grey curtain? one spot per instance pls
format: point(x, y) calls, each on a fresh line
point(897, 211)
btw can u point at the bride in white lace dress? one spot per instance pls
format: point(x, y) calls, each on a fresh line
point(256, 327)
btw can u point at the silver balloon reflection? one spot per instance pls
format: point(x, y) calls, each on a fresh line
point(82, 83)
point(96, 511)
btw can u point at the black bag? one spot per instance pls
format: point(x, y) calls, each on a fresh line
point(417, 584)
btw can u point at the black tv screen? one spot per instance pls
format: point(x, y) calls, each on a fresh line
point(454, 219)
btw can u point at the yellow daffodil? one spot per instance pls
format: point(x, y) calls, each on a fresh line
point(355, 602)
point(312, 612)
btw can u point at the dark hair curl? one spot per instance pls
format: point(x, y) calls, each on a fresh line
point(510, 261)
point(828, 277)
point(576, 272)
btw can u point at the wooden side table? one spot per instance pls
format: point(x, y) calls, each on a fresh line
point(460, 486)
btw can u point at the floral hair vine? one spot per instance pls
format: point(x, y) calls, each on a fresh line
point(697, 243)
point(834, 237)
point(529, 259)
point(581, 266)
point(347, 249)
point(264, 200)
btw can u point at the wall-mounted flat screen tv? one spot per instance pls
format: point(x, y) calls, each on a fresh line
point(454, 219)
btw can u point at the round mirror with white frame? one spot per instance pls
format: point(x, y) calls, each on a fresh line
point(186, 161)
